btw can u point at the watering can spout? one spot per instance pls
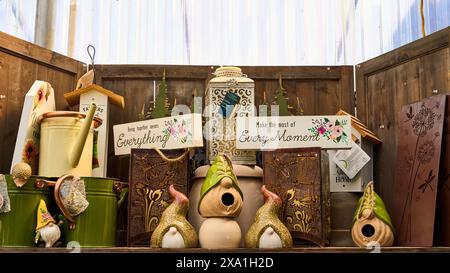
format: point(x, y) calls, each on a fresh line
point(78, 147)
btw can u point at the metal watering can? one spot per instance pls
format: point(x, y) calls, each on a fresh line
point(95, 227)
point(66, 142)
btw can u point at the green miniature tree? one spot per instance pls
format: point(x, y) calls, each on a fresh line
point(281, 100)
point(161, 108)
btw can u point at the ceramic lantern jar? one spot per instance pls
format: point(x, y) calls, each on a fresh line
point(250, 181)
point(229, 94)
point(221, 201)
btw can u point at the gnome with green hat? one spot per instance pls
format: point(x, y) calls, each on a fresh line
point(221, 201)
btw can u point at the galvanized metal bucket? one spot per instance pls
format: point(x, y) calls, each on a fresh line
point(17, 227)
point(95, 227)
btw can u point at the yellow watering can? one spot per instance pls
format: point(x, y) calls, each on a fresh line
point(66, 142)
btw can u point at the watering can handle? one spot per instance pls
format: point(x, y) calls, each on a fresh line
point(78, 146)
point(57, 194)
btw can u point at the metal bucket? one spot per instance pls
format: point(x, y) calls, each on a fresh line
point(96, 226)
point(17, 227)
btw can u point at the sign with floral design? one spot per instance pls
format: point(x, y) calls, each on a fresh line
point(174, 132)
point(267, 133)
point(39, 99)
point(417, 171)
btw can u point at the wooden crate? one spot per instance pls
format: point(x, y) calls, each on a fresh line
point(386, 83)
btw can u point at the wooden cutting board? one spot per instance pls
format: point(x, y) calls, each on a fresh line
point(300, 177)
point(420, 128)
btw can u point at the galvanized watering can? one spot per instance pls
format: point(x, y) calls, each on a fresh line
point(95, 227)
point(66, 143)
point(17, 227)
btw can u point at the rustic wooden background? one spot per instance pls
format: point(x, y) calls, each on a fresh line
point(21, 63)
point(323, 90)
point(386, 83)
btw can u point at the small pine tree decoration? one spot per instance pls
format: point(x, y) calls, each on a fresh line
point(281, 100)
point(161, 108)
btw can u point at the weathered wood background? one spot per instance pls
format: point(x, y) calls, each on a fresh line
point(323, 90)
point(21, 63)
point(386, 83)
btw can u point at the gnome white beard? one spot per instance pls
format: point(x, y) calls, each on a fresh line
point(50, 234)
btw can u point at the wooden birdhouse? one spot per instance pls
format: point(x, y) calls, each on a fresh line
point(364, 138)
point(102, 97)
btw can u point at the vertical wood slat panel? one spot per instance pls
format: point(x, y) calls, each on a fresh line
point(386, 83)
point(21, 63)
point(323, 90)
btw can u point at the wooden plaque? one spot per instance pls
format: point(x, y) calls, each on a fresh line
point(300, 177)
point(150, 177)
point(417, 170)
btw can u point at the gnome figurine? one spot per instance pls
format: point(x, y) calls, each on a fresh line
point(267, 231)
point(221, 201)
point(371, 223)
point(46, 229)
point(173, 230)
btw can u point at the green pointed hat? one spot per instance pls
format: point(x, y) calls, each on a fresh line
point(219, 169)
point(378, 206)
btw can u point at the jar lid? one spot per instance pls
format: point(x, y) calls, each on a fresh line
point(228, 71)
point(239, 171)
point(71, 114)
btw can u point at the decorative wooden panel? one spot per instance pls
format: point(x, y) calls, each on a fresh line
point(386, 83)
point(322, 90)
point(21, 63)
point(299, 177)
point(417, 171)
point(150, 177)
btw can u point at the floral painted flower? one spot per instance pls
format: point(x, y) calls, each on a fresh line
point(29, 152)
point(321, 130)
point(426, 152)
point(423, 121)
point(329, 126)
point(337, 132)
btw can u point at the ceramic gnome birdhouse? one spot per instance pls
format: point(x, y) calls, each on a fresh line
point(372, 223)
point(221, 201)
point(101, 97)
point(173, 230)
point(267, 230)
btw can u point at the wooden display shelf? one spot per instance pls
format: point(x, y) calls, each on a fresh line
point(239, 250)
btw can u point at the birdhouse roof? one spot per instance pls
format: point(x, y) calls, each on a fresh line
point(361, 128)
point(73, 97)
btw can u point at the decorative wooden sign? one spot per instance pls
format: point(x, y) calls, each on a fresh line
point(417, 171)
point(276, 132)
point(39, 99)
point(174, 132)
point(300, 178)
point(151, 174)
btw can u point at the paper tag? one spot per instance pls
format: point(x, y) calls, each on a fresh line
point(351, 161)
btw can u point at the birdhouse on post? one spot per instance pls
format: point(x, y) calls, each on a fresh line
point(365, 139)
point(102, 97)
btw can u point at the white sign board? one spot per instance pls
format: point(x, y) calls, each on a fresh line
point(174, 132)
point(39, 99)
point(274, 132)
point(101, 100)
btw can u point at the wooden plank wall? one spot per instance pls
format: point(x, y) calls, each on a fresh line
point(323, 90)
point(386, 83)
point(21, 63)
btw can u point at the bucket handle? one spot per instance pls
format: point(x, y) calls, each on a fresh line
point(57, 194)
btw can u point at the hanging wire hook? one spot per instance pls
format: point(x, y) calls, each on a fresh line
point(92, 56)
